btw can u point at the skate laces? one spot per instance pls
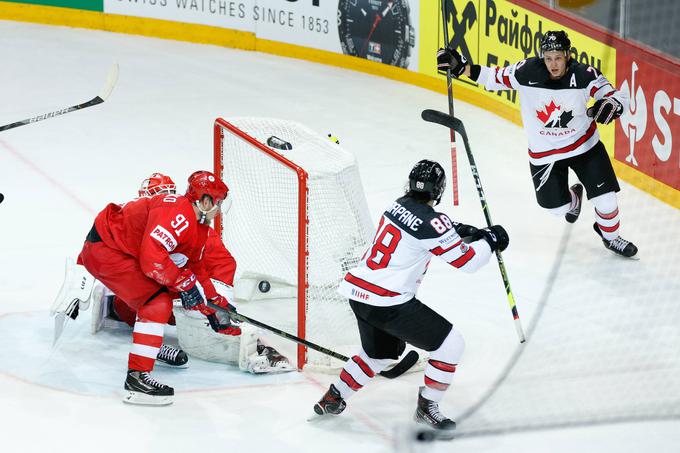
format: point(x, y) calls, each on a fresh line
point(168, 353)
point(147, 379)
point(618, 243)
point(433, 411)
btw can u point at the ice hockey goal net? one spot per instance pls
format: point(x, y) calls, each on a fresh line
point(297, 223)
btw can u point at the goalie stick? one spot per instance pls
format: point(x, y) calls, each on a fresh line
point(400, 368)
point(106, 91)
point(453, 123)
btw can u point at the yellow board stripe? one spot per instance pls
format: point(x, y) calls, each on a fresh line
point(205, 34)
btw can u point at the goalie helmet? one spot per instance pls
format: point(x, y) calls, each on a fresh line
point(428, 177)
point(202, 183)
point(555, 40)
point(155, 184)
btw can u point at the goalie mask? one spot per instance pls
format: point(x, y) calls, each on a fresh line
point(203, 184)
point(155, 184)
point(428, 177)
point(555, 40)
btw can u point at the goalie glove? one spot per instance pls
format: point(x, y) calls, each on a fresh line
point(449, 58)
point(605, 110)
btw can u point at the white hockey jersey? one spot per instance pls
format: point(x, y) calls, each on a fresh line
point(554, 111)
point(409, 234)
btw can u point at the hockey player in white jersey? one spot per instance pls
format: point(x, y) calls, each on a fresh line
point(382, 293)
point(562, 132)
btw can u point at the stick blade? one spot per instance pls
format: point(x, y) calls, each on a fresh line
point(402, 367)
point(446, 120)
point(111, 80)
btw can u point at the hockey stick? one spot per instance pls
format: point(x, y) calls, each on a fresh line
point(400, 368)
point(449, 88)
point(106, 91)
point(434, 116)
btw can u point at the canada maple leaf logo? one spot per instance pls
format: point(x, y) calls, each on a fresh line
point(553, 116)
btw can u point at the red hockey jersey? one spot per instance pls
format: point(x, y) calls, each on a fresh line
point(161, 232)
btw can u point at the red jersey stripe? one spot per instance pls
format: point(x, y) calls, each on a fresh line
point(370, 287)
point(349, 380)
point(589, 133)
point(463, 259)
point(364, 366)
point(440, 251)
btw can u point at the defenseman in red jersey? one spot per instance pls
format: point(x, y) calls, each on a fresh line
point(219, 340)
point(562, 133)
point(134, 249)
point(382, 293)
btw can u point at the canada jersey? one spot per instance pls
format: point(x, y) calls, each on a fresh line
point(408, 235)
point(554, 111)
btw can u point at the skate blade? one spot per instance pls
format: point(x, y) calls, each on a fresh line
point(167, 365)
point(141, 399)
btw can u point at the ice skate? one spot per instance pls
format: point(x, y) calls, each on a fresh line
point(573, 214)
point(331, 403)
point(427, 413)
point(141, 388)
point(618, 245)
point(172, 357)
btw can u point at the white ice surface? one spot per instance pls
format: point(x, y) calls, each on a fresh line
point(57, 174)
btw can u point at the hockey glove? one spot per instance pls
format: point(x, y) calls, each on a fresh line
point(224, 324)
point(185, 285)
point(605, 110)
point(450, 59)
point(466, 232)
point(496, 236)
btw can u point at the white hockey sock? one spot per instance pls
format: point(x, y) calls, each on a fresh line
point(559, 212)
point(356, 373)
point(442, 365)
point(607, 215)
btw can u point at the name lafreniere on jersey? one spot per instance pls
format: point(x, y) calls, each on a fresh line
point(405, 216)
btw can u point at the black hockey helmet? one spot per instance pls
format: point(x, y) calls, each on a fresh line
point(555, 40)
point(427, 177)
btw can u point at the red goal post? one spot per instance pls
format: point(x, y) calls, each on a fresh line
point(303, 252)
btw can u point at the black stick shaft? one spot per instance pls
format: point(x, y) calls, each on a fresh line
point(455, 124)
point(94, 101)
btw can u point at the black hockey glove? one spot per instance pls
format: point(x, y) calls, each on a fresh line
point(466, 232)
point(450, 59)
point(191, 298)
point(605, 110)
point(496, 236)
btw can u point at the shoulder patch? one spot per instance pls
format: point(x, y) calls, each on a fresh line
point(164, 237)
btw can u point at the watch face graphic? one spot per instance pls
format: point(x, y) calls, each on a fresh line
point(378, 30)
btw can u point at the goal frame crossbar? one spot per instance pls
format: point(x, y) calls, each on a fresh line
point(220, 126)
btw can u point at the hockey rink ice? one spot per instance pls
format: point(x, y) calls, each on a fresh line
point(57, 174)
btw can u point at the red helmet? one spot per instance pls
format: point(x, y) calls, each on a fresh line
point(155, 184)
point(202, 183)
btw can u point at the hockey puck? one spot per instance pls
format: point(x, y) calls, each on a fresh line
point(264, 286)
point(2, 198)
point(279, 143)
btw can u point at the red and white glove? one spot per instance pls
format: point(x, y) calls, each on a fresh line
point(191, 297)
point(223, 324)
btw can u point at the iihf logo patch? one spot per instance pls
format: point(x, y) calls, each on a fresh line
point(464, 248)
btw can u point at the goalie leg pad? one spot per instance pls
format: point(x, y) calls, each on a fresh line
point(257, 358)
point(75, 290)
point(198, 339)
